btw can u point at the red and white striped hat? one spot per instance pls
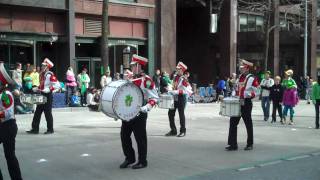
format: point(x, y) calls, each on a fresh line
point(139, 59)
point(182, 66)
point(48, 63)
point(4, 77)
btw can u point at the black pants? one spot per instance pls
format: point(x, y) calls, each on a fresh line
point(8, 132)
point(138, 126)
point(180, 105)
point(1, 178)
point(276, 106)
point(83, 98)
point(317, 105)
point(47, 109)
point(246, 110)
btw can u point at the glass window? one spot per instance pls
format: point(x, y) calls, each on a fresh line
point(243, 22)
point(259, 23)
point(251, 23)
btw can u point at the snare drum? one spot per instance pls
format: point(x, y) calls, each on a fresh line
point(121, 100)
point(26, 98)
point(39, 99)
point(230, 107)
point(166, 101)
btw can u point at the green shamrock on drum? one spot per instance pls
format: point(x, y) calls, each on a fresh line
point(128, 100)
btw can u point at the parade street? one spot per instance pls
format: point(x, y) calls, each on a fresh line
point(86, 146)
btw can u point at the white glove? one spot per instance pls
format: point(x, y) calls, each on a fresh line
point(146, 108)
point(35, 89)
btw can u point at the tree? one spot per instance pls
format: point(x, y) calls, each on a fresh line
point(104, 36)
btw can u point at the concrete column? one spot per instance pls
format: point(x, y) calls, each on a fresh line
point(71, 33)
point(34, 51)
point(228, 38)
point(151, 64)
point(274, 39)
point(314, 41)
point(166, 48)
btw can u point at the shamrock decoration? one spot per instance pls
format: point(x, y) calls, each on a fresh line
point(128, 100)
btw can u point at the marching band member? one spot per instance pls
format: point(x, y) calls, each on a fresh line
point(8, 126)
point(246, 90)
point(181, 90)
point(48, 85)
point(139, 123)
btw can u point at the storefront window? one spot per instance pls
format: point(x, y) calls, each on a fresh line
point(251, 23)
point(243, 23)
point(259, 23)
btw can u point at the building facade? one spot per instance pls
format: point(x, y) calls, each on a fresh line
point(212, 48)
point(68, 32)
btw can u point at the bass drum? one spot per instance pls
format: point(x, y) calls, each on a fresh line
point(121, 100)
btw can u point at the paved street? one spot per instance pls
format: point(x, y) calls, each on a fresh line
point(87, 145)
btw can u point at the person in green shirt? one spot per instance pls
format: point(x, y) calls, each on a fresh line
point(316, 99)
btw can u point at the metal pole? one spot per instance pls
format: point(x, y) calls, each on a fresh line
point(305, 40)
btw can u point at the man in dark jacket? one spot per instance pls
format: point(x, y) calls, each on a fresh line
point(276, 93)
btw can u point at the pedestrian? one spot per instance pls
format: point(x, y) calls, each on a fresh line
point(48, 85)
point(106, 78)
point(165, 83)
point(308, 89)
point(290, 96)
point(276, 95)
point(17, 76)
point(117, 77)
point(83, 82)
point(71, 85)
point(156, 79)
point(316, 99)
point(181, 91)
point(266, 83)
point(35, 77)
point(8, 126)
point(246, 90)
point(138, 125)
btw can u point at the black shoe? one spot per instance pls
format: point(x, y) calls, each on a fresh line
point(231, 148)
point(248, 148)
point(32, 131)
point(125, 164)
point(139, 165)
point(317, 127)
point(48, 132)
point(171, 133)
point(182, 134)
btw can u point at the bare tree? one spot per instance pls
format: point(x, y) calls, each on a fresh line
point(104, 36)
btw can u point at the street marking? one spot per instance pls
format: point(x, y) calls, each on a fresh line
point(310, 127)
point(85, 155)
point(246, 168)
point(270, 163)
point(315, 154)
point(298, 157)
point(293, 129)
point(42, 160)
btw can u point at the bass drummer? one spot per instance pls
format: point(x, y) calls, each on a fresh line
point(139, 123)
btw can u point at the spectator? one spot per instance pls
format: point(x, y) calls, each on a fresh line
point(117, 77)
point(308, 82)
point(156, 79)
point(28, 81)
point(17, 76)
point(290, 96)
point(92, 104)
point(83, 82)
point(165, 83)
point(35, 77)
point(276, 95)
point(106, 78)
point(316, 99)
point(221, 88)
point(71, 85)
point(265, 85)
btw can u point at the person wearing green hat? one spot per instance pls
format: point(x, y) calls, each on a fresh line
point(266, 85)
point(290, 96)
